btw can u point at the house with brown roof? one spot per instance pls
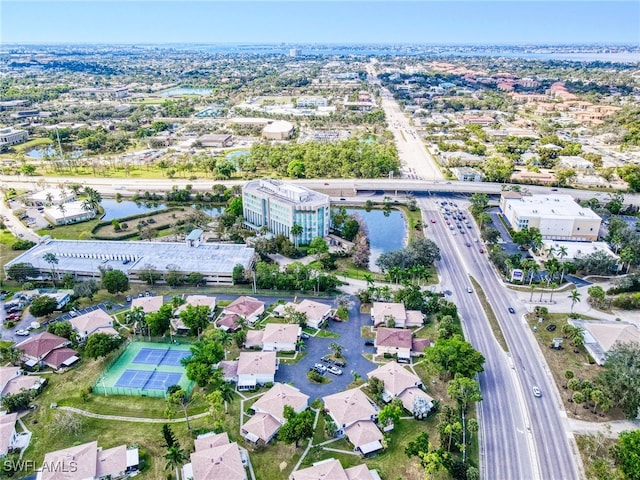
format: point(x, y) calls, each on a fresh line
point(88, 461)
point(400, 383)
point(394, 341)
point(256, 368)
point(332, 469)
point(148, 304)
point(216, 458)
point(247, 308)
point(269, 412)
point(13, 380)
point(195, 301)
point(8, 434)
point(47, 349)
point(354, 415)
point(96, 321)
point(316, 312)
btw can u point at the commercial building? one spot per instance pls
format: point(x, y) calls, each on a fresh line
point(600, 337)
point(278, 206)
point(50, 196)
point(10, 136)
point(72, 212)
point(557, 217)
point(84, 258)
point(467, 174)
point(278, 130)
point(307, 102)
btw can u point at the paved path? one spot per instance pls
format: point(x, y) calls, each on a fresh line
point(84, 413)
point(609, 429)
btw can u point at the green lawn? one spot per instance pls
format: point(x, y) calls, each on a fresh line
point(75, 231)
point(488, 310)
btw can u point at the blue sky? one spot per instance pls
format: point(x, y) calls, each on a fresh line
point(458, 22)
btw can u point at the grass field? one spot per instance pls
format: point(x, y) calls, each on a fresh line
point(488, 310)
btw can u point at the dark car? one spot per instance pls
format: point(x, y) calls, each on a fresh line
point(305, 336)
point(339, 363)
point(326, 359)
point(369, 341)
point(511, 310)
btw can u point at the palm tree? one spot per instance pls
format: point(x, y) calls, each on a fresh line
point(575, 298)
point(562, 252)
point(533, 287)
point(63, 210)
point(553, 287)
point(52, 260)
point(627, 256)
point(336, 348)
point(296, 231)
point(175, 457)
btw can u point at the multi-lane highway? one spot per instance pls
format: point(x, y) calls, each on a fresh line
point(522, 436)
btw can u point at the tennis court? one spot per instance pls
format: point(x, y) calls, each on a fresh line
point(145, 369)
point(155, 356)
point(146, 380)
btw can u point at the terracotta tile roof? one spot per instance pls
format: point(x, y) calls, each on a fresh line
point(281, 333)
point(415, 318)
point(396, 378)
point(206, 441)
point(6, 374)
point(148, 304)
point(85, 458)
point(393, 337)
point(279, 396)
point(222, 462)
point(39, 345)
point(262, 425)
point(91, 321)
point(363, 432)
point(257, 363)
point(409, 396)
point(7, 426)
point(22, 382)
point(254, 338)
point(245, 306)
point(327, 470)
point(360, 472)
point(230, 321)
point(60, 355)
point(349, 406)
point(419, 344)
point(229, 369)
point(112, 461)
point(380, 310)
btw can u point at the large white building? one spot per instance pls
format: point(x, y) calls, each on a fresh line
point(279, 205)
point(10, 136)
point(558, 217)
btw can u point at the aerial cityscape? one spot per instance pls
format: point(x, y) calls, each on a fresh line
point(324, 240)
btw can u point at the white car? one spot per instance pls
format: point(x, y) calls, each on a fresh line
point(320, 367)
point(469, 290)
point(335, 370)
point(536, 392)
point(22, 333)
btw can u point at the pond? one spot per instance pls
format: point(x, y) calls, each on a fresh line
point(125, 208)
point(185, 91)
point(387, 231)
point(50, 151)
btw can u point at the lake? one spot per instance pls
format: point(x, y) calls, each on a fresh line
point(386, 233)
point(126, 208)
point(185, 91)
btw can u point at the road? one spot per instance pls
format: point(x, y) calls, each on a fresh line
point(523, 437)
point(414, 157)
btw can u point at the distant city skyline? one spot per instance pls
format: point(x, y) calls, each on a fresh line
point(432, 22)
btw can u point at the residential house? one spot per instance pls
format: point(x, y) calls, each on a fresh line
point(331, 469)
point(248, 309)
point(317, 313)
point(354, 415)
point(47, 349)
point(394, 341)
point(395, 315)
point(195, 301)
point(13, 380)
point(268, 414)
point(8, 434)
point(96, 321)
point(601, 336)
point(400, 383)
point(89, 462)
point(148, 304)
point(256, 368)
point(216, 458)
point(467, 174)
point(280, 337)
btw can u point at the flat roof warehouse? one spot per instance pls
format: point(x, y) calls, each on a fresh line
point(84, 258)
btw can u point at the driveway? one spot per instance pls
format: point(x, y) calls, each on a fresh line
point(353, 348)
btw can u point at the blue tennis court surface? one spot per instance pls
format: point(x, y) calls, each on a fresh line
point(148, 380)
point(155, 356)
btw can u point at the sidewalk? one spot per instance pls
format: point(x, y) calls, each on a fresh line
point(609, 429)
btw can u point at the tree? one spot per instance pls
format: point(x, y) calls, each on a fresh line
point(596, 295)
point(575, 298)
point(390, 413)
point(178, 399)
point(115, 281)
point(376, 387)
point(238, 273)
point(578, 399)
point(297, 427)
point(101, 344)
point(52, 260)
point(620, 377)
point(432, 462)
point(160, 321)
point(627, 454)
point(479, 201)
point(196, 318)
point(296, 231)
point(336, 348)
point(15, 402)
point(318, 246)
point(21, 272)
point(454, 355)
point(417, 446)
point(43, 305)
point(62, 329)
point(175, 457)
point(169, 437)
point(65, 424)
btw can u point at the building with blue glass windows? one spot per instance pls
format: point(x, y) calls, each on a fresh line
point(278, 206)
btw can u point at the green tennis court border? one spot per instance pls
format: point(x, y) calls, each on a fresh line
point(105, 383)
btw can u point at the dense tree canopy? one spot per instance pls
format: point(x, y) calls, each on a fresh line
point(43, 305)
point(420, 251)
point(620, 377)
point(455, 356)
point(115, 281)
point(101, 344)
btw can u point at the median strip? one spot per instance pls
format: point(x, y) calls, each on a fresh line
point(488, 310)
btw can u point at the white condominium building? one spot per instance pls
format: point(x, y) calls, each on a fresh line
point(558, 217)
point(279, 205)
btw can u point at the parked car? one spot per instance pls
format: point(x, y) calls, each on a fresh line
point(73, 313)
point(22, 333)
point(335, 370)
point(14, 316)
point(319, 367)
point(326, 359)
point(369, 341)
point(339, 363)
point(305, 336)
